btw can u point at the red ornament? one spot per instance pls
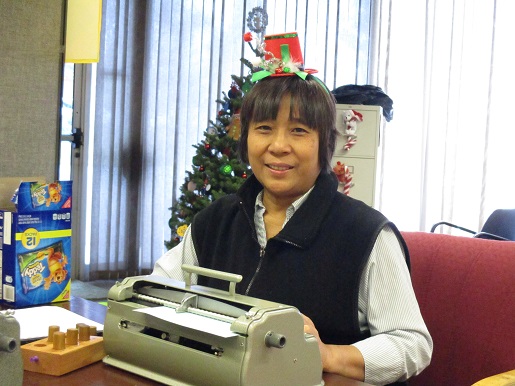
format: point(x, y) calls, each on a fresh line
point(207, 146)
point(201, 168)
point(279, 70)
point(247, 37)
point(244, 175)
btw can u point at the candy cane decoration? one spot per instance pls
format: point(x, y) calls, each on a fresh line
point(348, 181)
point(351, 118)
point(344, 176)
point(351, 141)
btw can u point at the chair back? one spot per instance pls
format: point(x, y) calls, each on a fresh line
point(466, 291)
point(500, 223)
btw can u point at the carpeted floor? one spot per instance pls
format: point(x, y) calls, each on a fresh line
point(91, 290)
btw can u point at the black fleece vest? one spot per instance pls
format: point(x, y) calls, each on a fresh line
point(315, 263)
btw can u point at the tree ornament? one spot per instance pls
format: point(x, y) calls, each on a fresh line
point(207, 185)
point(233, 92)
point(244, 175)
point(192, 186)
point(207, 146)
point(181, 230)
point(226, 169)
point(234, 127)
point(201, 168)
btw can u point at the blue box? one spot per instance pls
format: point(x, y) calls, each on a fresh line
point(35, 245)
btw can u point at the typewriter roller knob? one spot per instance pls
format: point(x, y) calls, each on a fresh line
point(273, 339)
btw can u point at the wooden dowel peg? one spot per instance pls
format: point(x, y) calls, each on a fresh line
point(72, 337)
point(83, 332)
point(51, 331)
point(59, 340)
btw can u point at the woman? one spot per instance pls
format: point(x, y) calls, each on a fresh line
point(296, 240)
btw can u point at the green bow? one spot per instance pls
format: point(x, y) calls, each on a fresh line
point(286, 58)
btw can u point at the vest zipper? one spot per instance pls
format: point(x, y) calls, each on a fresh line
point(289, 242)
point(261, 258)
point(261, 249)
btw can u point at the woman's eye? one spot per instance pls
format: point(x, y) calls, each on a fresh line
point(263, 128)
point(299, 130)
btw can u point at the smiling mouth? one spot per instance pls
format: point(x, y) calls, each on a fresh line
point(279, 168)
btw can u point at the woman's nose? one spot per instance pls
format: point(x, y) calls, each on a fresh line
point(279, 142)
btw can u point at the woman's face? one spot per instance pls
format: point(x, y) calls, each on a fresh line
point(283, 155)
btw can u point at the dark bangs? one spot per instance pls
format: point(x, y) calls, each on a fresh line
point(310, 103)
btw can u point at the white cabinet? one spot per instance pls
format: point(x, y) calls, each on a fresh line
point(355, 155)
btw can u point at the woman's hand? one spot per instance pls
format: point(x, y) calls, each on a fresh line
point(345, 360)
point(309, 328)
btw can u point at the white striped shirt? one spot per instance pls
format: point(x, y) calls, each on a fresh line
point(400, 345)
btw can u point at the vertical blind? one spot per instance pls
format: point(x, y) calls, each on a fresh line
point(164, 63)
point(163, 66)
point(446, 153)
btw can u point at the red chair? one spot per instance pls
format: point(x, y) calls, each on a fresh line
point(466, 291)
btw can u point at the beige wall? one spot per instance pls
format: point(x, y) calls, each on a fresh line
point(30, 86)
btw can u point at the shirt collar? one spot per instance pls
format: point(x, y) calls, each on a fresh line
point(295, 205)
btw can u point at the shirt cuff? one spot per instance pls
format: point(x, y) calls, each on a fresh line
point(381, 357)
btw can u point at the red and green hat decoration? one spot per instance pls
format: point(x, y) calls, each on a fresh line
point(282, 57)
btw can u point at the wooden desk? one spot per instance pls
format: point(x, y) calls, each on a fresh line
point(503, 379)
point(100, 374)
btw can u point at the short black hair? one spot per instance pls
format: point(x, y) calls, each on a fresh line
point(310, 98)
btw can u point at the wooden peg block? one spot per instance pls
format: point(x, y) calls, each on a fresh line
point(61, 355)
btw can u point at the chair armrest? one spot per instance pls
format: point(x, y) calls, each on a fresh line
point(451, 225)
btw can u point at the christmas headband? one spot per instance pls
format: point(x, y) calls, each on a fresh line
point(280, 56)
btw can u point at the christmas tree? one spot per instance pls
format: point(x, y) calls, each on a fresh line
point(216, 168)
